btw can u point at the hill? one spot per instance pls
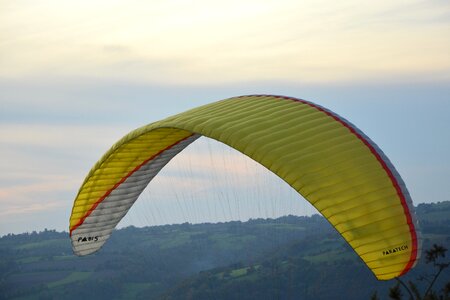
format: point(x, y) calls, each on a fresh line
point(317, 267)
point(286, 258)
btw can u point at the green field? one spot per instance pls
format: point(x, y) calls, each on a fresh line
point(73, 277)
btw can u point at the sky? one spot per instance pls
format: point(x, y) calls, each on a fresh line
point(75, 76)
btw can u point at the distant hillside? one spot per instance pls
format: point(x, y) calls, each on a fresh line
point(287, 258)
point(319, 267)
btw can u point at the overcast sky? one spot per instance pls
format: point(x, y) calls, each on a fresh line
point(75, 76)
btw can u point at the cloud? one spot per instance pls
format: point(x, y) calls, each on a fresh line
point(34, 197)
point(44, 164)
point(57, 135)
point(176, 42)
point(116, 49)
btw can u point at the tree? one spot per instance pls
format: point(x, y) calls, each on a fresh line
point(434, 256)
point(374, 296)
point(395, 292)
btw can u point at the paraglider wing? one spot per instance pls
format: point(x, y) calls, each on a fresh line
point(324, 157)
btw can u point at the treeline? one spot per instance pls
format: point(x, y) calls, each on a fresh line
point(287, 258)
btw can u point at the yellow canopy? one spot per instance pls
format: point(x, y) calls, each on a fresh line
point(325, 158)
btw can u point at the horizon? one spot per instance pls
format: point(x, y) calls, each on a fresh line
point(202, 223)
